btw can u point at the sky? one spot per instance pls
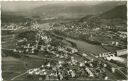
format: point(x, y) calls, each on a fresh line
point(24, 5)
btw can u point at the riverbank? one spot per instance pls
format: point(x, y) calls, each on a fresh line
point(109, 48)
point(83, 45)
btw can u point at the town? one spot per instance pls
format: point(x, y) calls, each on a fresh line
point(63, 60)
point(87, 48)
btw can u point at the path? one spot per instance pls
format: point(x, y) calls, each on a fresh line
point(18, 76)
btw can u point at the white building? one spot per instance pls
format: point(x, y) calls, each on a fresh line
point(121, 52)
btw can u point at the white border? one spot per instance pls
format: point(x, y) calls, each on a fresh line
point(63, 0)
point(60, 0)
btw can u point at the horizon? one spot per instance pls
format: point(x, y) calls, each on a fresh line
point(25, 5)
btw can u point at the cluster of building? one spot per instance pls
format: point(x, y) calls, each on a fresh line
point(69, 69)
point(118, 53)
point(13, 26)
point(119, 57)
point(66, 66)
point(103, 34)
point(10, 26)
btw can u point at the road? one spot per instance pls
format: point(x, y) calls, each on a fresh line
point(18, 76)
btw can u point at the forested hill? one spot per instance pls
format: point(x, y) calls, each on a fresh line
point(117, 12)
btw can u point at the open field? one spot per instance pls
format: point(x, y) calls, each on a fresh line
point(12, 67)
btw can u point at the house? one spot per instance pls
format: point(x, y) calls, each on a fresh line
point(43, 47)
point(123, 34)
point(74, 50)
point(115, 43)
point(72, 73)
point(85, 55)
point(53, 76)
point(89, 72)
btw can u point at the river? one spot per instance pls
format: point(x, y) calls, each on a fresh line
point(82, 45)
point(95, 49)
point(85, 46)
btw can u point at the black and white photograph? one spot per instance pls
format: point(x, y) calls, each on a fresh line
point(64, 40)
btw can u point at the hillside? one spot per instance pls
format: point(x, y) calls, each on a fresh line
point(71, 10)
point(60, 11)
point(107, 5)
point(63, 11)
point(117, 12)
point(114, 16)
point(12, 17)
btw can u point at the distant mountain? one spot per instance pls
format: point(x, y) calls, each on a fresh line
point(12, 17)
point(117, 12)
point(78, 10)
point(62, 11)
point(115, 16)
point(107, 5)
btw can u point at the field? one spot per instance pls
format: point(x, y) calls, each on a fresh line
point(12, 67)
point(8, 41)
